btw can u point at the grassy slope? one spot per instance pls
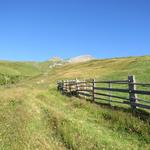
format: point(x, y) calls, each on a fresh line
point(15, 71)
point(107, 69)
point(19, 68)
point(117, 68)
point(24, 68)
point(12, 72)
point(35, 116)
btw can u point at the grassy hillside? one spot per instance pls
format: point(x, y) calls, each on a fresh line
point(12, 72)
point(35, 116)
point(116, 68)
point(19, 68)
point(107, 69)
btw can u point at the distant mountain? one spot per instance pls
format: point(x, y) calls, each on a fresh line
point(55, 59)
point(81, 58)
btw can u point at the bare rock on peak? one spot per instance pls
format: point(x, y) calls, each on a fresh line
point(82, 58)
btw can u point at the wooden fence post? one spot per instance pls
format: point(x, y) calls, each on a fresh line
point(132, 87)
point(110, 86)
point(93, 90)
point(62, 88)
point(70, 86)
point(84, 87)
point(76, 82)
point(67, 87)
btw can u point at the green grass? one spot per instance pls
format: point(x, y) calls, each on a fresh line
point(19, 68)
point(83, 125)
point(116, 68)
point(107, 69)
point(33, 115)
point(12, 72)
point(16, 71)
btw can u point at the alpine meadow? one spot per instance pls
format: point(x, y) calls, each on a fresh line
point(34, 115)
point(74, 74)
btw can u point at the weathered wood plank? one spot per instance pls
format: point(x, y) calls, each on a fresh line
point(119, 97)
point(112, 89)
point(114, 81)
point(85, 94)
point(98, 98)
point(84, 90)
point(141, 105)
point(141, 92)
point(142, 100)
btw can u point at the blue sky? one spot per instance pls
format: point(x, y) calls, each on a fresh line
point(41, 29)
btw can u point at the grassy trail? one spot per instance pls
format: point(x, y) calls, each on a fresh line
point(33, 117)
point(22, 121)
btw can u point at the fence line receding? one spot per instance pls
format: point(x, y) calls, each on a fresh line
point(113, 91)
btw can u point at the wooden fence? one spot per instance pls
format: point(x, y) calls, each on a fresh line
point(116, 91)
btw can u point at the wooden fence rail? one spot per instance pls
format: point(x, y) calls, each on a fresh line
point(95, 91)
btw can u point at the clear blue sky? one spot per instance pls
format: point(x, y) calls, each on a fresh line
point(40, 29)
